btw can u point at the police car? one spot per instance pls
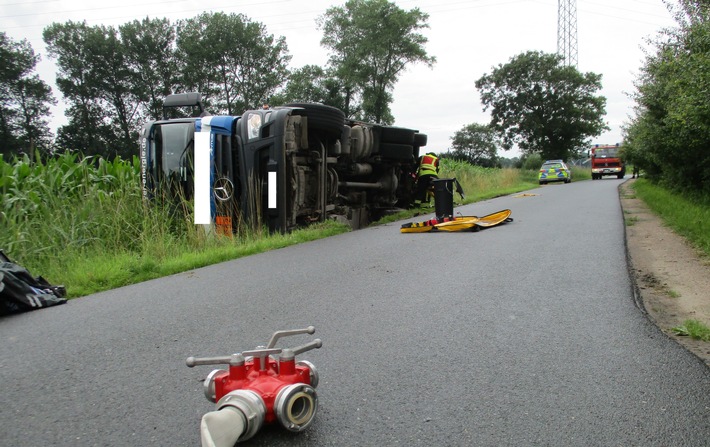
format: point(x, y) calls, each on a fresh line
point(554, 171)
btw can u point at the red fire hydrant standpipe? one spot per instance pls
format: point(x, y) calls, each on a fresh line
point(259, 388)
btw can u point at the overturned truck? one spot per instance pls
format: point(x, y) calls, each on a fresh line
point(281, 167)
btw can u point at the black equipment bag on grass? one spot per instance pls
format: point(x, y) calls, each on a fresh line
point(20, 292)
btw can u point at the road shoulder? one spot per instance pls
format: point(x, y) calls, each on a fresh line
point(672, 279)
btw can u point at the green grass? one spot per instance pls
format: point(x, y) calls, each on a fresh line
point(83, 223)
point(581, 173)
point(688, 216)
point(631, 220)
point(485, 183)
point(693, 329)
point(108, 270)
point(477, 183)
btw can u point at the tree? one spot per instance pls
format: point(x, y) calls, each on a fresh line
point(150, 54)
point(542, 106)
point(117, 90)
point(232, 61)
point(305, 84)
point(475, 143)
point(312, 83)
point(372, 42)
point(79, 50)
point(24, 100)
point(33, 97)
point(670, 134)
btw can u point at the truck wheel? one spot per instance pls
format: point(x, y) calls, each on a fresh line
point(420, 139)
point(396, 151)
point(398, 135)
point(322, 117)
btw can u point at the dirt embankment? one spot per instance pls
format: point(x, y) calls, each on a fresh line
point(672, 278)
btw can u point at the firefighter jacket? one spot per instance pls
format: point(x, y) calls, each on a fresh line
point(429, 165)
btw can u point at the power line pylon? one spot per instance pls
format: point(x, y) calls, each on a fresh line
point(567, 31)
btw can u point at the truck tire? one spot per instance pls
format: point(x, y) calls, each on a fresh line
point(322, 117)
point(397, 135)
point(403, 152)
point(420, 139)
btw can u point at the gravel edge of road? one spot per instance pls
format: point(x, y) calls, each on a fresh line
point(658, 260)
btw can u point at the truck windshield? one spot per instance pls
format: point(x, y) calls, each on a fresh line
point(611, 152)
point(173, 144)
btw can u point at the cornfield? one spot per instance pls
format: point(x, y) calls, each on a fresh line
point(67, 209)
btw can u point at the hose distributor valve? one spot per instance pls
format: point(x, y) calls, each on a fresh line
point(261, 385)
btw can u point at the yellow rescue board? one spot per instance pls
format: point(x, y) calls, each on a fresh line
point(458, 223)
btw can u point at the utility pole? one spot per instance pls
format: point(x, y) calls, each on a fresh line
point(567, 31)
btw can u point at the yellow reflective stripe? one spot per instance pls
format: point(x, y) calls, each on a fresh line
point(428, 165)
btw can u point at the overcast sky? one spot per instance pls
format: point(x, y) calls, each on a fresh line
point(468, 38)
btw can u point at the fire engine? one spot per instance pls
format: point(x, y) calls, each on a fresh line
point(606, 160)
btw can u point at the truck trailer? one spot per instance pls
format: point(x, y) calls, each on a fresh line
point(280, 167)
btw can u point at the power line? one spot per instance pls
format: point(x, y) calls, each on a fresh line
point(618, 8)
point(432, 7)
point(102, 8)
point(27, 3)
point(435, 6)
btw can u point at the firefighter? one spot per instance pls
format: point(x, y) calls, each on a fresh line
point(428, 171)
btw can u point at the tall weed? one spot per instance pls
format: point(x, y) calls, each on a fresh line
point(69, 210)
point(82, 222)
point(481, 183)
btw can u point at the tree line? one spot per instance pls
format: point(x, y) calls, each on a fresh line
point(539, 104)
point(113, 79)
point(669, 136)
point(24, 99)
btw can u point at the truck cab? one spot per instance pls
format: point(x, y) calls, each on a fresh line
point(607, 160)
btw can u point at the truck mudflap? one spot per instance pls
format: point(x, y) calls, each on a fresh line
point(461, 223)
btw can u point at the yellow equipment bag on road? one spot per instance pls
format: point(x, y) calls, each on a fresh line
point(460, 223)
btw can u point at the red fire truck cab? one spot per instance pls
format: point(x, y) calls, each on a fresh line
point(606, 160)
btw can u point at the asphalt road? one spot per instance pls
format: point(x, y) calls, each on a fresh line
point(520, 335)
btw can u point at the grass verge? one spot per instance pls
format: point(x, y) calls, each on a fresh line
point(101, 270)
point(689, 217)
point(82, 223)
point(693, 329)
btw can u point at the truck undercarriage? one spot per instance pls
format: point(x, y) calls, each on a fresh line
point(282, 167)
